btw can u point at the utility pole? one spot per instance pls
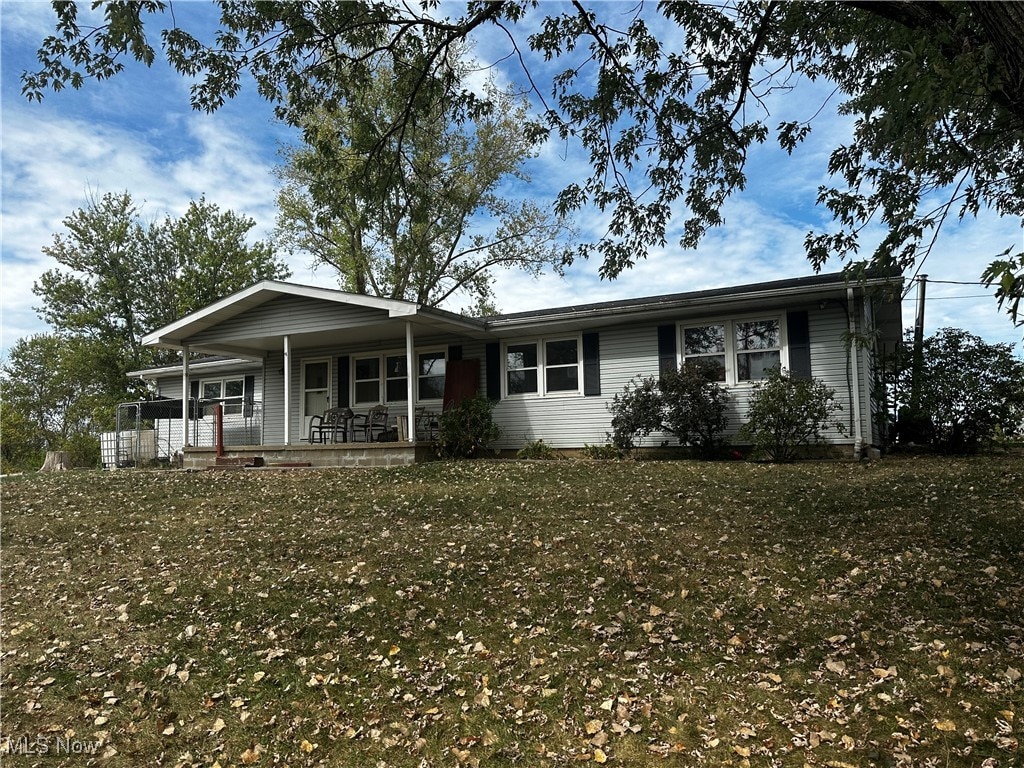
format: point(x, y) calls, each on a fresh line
point(918, 361)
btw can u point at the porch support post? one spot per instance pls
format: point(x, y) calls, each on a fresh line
point(410, 383)
point(858, 434)
point(287, 390)
point(185, 390)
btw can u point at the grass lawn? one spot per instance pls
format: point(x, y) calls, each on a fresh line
point(518, 613)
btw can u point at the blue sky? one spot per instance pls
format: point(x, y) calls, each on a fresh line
point(137, 132)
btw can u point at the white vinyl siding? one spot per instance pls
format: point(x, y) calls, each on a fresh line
point(290, 315)
point(568, 421)
point(627, 352)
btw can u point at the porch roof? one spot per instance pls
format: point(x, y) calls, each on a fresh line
point(255, 320)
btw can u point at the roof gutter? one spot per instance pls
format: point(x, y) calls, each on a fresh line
point(671, 304)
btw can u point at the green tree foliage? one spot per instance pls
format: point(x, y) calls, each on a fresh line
point(970, 392)
point(57, 391)
point(466, 429)
point(786, 413)
point(120, 278)
point(688, 403)
point(425, 222)
point(667, 102)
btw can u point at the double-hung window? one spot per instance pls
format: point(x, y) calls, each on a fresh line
point(705, 345)
point(546, 367)
point(430, 375)
point(396, 387)
point(366, 380)
point(758, 348)
point(735, 351)
point(229, 391)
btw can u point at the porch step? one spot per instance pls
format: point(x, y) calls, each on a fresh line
point(237, 462)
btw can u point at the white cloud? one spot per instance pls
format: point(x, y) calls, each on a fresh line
point(45, 181)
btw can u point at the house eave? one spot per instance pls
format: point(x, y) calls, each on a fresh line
point(702, 302)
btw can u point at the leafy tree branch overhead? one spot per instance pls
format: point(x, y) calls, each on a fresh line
point(667, 100)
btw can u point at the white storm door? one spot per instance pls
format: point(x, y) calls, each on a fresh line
point(316, 390)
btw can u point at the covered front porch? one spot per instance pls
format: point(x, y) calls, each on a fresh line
point(322, 350)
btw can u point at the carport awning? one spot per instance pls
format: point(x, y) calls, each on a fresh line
point(165, 408)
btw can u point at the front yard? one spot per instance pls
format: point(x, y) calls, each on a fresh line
point(518, 613)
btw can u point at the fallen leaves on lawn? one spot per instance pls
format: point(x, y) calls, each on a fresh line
point(511, 613)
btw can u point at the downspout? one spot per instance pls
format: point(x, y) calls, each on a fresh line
point(287, 389)
point(184, 397)
point(858, 437)
point(410, 381)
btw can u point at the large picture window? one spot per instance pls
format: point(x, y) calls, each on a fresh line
point(370, 388)
point(735, 351)
point(546, 367)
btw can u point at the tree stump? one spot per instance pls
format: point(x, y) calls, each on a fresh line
point(56, 461)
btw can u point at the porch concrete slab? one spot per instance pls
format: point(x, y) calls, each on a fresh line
point(331, 455)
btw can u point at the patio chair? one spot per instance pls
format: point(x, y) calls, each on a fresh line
point(427, 424)
point(374, 424)
point(328, 426)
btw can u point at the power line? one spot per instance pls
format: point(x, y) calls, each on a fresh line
point(950, 282)
point(972, 296)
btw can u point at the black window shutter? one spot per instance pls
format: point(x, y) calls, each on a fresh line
point(798, 330)
point(666, 348)
point(193, 407)
point(343, 379)
point(454, 352)
point(591, 364)
point(492, 359)
point(248, 395)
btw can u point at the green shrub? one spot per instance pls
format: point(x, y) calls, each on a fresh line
point(466, 429)
point(538, 449)
point(687, 403)
point(605, 452)
point(787, 413)
point(84, 450)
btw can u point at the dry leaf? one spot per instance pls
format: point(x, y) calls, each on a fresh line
point(945, 725)
point(600, 756)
